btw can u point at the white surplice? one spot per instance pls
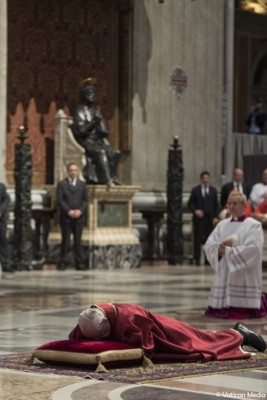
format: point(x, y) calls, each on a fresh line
point(238, 274)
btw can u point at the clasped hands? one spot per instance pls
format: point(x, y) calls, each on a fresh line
point(221, 248)
point(75, 214)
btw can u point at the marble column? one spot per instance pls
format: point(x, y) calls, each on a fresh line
point(3, 78)
point(229, 78)
point(189, 34)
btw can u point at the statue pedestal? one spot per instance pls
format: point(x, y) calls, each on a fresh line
point(108, 239)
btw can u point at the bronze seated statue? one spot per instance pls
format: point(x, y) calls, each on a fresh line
point(90, 131)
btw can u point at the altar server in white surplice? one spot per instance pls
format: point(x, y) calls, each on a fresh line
point(234, 250)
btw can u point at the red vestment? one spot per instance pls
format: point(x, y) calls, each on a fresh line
point(163, 337)
point(261, 208)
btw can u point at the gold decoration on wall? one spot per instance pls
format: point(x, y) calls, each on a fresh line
point(255, 6)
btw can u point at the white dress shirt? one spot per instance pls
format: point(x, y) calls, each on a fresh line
point(72, 181)
point(238, 186)
point(204, 190)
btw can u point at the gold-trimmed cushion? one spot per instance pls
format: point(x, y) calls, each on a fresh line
point(89, 354)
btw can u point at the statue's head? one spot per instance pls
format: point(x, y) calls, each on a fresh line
point(87, 90)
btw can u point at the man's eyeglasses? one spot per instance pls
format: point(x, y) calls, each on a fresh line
point(234, 203)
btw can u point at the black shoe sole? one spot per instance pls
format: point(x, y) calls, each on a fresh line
point(251, 338)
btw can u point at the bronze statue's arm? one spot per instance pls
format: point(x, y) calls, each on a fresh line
point(84, 127)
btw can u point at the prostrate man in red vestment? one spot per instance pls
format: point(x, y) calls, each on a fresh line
point(163, 337)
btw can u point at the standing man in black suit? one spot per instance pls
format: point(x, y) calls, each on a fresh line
point(237, 183)
point(4, 247)
point(72, 204)
point(204, 205)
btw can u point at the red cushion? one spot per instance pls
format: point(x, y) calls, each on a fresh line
point(82, 346)
point(88, 353)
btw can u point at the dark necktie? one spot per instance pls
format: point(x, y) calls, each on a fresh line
point(206, 195)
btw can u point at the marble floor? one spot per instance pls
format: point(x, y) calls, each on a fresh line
point(41, 306)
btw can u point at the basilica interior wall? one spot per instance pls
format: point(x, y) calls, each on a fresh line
point(51, 47)
point(167, 34)
point(250, 66)
point(3, 61)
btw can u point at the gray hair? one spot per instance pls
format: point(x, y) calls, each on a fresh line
point(236, 193)
point(94, 324)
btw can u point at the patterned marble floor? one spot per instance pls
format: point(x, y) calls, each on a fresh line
point(41, 306)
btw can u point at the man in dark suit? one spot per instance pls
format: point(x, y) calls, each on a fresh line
point(72, 204)
point(4, 247)
point(204, 205)
point(237, 183)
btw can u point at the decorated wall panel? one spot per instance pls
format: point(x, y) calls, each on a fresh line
point(52, 45)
